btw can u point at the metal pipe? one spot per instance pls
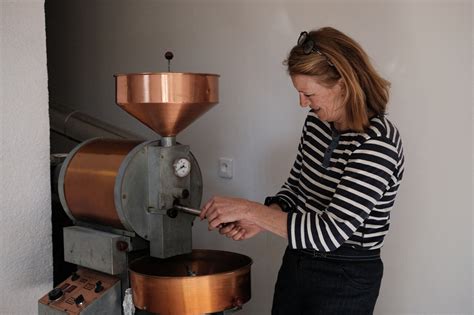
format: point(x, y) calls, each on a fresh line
point(168, 141)
point(80, 127)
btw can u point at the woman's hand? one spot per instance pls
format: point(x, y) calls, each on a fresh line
point(240, 230)
point(230, 216)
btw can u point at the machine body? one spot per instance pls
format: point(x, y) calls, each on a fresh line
point(130, 186)
point(133, 201)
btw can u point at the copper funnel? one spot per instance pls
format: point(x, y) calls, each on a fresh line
point(167, 102)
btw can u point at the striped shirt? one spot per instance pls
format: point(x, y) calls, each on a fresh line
point(343, 185)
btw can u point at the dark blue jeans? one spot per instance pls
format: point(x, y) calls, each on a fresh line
point(346, 281)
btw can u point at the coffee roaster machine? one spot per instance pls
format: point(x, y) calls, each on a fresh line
point(133, 204)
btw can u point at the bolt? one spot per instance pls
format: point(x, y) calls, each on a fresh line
point(185, 194)
point(122, 246)
point(237, 302)
point(172, 213)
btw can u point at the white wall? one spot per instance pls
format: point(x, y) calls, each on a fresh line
point(25, 203)
point(423, 47)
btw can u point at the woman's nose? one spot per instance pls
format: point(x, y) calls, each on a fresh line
point(304, 101)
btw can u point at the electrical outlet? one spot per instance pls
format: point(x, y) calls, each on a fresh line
point(226, 167)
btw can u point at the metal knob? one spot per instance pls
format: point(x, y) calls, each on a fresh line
point(55, 294)
point(169, 55)
point(74, 276)
point(79, 300)
point(98, 287)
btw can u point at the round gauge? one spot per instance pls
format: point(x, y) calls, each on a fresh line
point(182, 167)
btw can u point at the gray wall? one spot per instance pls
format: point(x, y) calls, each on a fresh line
point(423, 47)
point(25, 198)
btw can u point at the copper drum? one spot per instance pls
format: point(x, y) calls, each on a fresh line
point(204, 281)
point(89, 176)
point(167, 102)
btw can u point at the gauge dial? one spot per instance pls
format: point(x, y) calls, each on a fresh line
point(182, 167)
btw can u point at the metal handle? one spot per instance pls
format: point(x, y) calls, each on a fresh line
point(192, 211)
point(173, 213)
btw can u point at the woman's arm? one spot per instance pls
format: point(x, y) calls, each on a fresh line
point(238, 214)
point(238, 224)
point(367, 174)
point(270, 218)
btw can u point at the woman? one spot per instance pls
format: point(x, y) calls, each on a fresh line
point(334, 209)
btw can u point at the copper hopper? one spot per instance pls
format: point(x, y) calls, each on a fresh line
point(167, 102)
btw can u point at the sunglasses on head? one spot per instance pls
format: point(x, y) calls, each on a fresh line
point(308, 45)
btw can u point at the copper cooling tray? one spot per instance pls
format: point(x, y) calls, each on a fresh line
point(204, 281)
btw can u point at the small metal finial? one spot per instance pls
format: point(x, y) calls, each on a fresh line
point(169, 55)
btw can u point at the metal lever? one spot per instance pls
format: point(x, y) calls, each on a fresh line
point(192, 211)
point(173, 212)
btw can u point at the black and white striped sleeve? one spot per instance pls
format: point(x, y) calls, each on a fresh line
point(289, 191)
point(369, 172)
